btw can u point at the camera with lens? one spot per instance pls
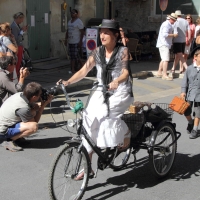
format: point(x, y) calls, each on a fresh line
point(46, 92)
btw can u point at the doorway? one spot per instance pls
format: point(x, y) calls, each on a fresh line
point(38, 19)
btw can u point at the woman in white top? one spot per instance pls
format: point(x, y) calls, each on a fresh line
point(102, 117)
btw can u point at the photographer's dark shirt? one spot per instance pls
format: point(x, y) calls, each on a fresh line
point(7, 87)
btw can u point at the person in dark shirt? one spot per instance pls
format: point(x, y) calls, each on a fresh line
point(7, 86)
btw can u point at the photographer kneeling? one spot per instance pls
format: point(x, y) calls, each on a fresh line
point(20, 114)
point(7, 86)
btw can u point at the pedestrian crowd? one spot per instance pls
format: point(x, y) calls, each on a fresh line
point(20, 107)
point(177, 36)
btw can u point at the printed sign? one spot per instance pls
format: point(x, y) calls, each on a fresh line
point(163, 4)
point(91, 33)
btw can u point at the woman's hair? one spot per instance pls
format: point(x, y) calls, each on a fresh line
point(198, 20)
point(18, 15)
point(4, 28)
point(188, 15)
point(197, 52)
point(114, 31)
point(32, 89)
point(5, 61)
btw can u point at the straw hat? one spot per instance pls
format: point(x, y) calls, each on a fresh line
point(178, 13)
point(172, 16)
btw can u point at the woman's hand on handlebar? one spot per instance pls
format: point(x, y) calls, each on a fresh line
point(65, 83)
point(113, 85)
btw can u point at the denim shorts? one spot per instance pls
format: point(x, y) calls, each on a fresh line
point(13, 130)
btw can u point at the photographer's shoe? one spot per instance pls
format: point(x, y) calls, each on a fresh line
point(193, 134)
point(11, 146)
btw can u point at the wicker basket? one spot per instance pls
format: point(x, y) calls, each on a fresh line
point(134, 122)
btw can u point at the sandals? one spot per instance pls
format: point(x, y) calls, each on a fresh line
point(167, 78)
point(80, 175)
point(172, 71)
point(158, 75)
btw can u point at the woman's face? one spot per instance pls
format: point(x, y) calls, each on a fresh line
point(19, 20)
point(11, 67)
point(188, 18)
point(107, 37)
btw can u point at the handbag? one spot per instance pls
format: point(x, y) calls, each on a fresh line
point(179, 105)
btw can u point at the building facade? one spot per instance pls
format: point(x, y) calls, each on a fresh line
point(47, 19)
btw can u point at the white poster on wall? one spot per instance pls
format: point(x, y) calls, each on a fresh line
point(32, 20)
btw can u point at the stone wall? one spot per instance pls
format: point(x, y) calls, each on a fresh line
point(136, 15)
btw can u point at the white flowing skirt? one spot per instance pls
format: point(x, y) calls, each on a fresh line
point(106, 131)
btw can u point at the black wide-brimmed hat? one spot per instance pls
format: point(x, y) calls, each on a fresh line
point(193, 51)
point(108, 23)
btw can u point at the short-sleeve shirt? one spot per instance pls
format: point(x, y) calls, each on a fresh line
point(25, 114)
point(196, 30)
point(74, 31)
point(6, 42)
point(181, 27)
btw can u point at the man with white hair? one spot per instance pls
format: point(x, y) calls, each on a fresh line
point(181, 27)
point(164, 44)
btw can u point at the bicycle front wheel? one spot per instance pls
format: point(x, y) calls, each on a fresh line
point(164, 150)
point(120, 160)
point(65, 167)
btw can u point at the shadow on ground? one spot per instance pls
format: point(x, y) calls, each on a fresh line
point(141, 176)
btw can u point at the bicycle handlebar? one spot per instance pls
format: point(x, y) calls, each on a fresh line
point(105, 88)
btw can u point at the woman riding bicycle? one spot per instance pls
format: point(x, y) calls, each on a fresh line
point(102, 116)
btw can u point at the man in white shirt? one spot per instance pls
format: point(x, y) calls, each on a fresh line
point(164, 44)
point(181, 27)
point(73, 38)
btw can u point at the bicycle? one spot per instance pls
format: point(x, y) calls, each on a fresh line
point(72, 157)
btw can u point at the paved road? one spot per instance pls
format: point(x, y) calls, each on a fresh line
point(24, 174)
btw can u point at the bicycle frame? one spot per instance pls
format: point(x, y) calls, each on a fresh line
point(81, 131)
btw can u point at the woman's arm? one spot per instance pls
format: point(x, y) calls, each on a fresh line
point(81, 73)
point(122, 78)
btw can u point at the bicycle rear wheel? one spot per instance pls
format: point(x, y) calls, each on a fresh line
point(163, 153)
point(120, 160)
point(65, 166)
